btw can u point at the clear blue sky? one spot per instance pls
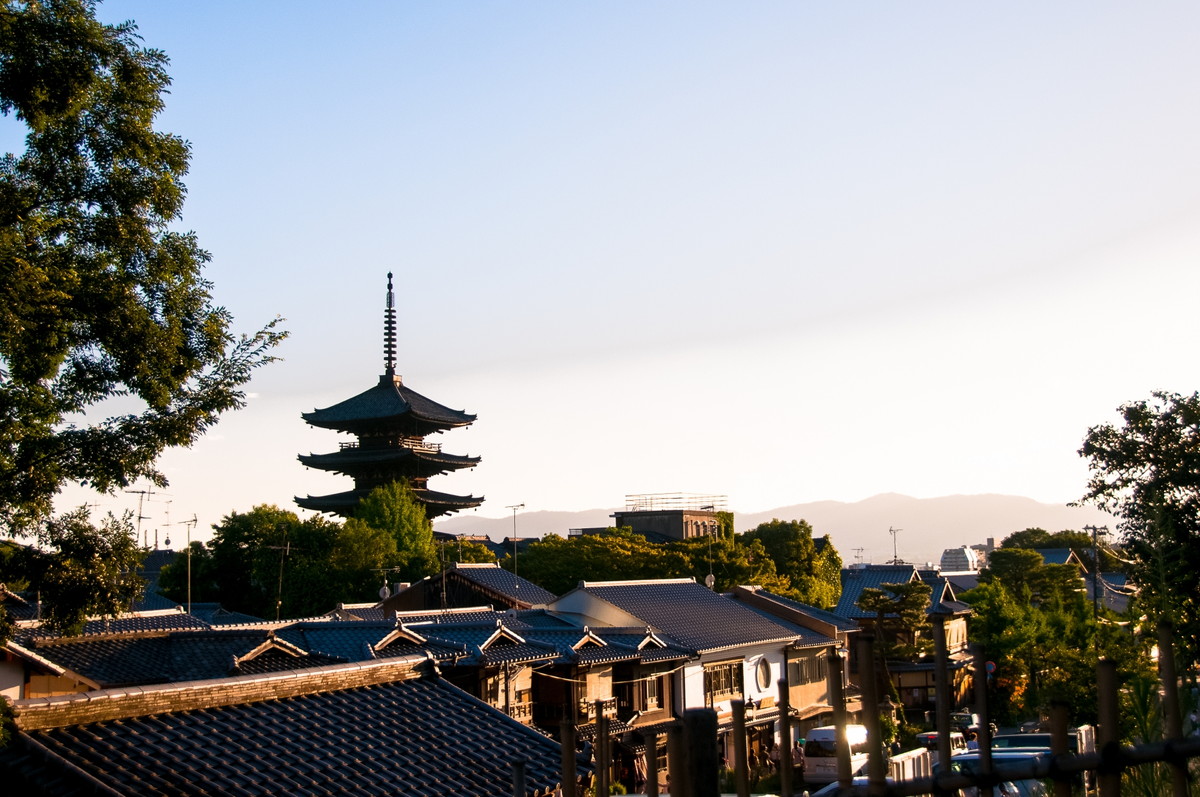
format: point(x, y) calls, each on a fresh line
point(784, 251)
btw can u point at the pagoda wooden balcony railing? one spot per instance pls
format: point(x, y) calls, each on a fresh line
point(411, 443)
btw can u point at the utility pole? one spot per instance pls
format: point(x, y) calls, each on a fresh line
point(514, 509)
point(1095, 530)
point(710, 580)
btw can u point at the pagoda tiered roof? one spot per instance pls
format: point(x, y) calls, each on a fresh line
point(389, 403)
point(345, 503)
point(425, 460)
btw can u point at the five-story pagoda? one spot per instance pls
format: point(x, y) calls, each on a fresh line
point(391, 422)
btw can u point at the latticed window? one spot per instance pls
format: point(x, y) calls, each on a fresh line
point(808, 670)
point(722, 681)
point(651, 697)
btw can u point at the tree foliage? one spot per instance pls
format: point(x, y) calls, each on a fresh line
point(812, 575)
point(1082, 543)
point(1146, 470)
point(393, 510)
point(812, 567)
point(99, 296)
point(268, 561)
point(81, 570)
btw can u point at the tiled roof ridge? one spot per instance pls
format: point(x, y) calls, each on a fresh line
point(143, 633)
point(639, 582)
point(138, 701)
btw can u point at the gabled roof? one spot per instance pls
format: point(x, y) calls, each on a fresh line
point(856, 579)
point(419, 736)
point(17, 607)
point(154, 657)
point(792, 614)
point(1059, 556)
point(496, 579)
point(690, 614)
point(388, 400)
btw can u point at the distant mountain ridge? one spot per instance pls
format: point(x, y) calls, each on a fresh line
point(927, 526)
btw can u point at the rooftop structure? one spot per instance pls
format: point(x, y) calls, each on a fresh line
point(391, 422)
point(660, 517)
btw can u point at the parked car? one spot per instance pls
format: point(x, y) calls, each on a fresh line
point(965, 722)
point(969, 763)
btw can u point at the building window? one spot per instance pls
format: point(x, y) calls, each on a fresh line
point(722, 681)
point(762, 674)
point(651, 694)
point(807, 670)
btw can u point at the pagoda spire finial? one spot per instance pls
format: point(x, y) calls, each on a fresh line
point(389, 331)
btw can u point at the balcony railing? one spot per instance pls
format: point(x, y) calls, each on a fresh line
point(587, 709)
point(411, 443)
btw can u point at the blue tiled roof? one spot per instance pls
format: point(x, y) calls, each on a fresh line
point(691, 614)
point(419, 737)
point(155, 657)
point(167, 621)
point(840, 623)
point(855, 580)
point(1055, 556)
point(496, 579)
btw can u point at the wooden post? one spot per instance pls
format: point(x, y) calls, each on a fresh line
point(876, 766)
point(652, 765)
point(1173, 719)
point(678, 769)
point(942, 698)
point(700, 735)
point(785, 739)
point(519, 789)
point(981, 708)
point(603, 756)
point(741, 772)
point(1107, 738)
point(570, 765)
point(1059, 744)
point(837, 699)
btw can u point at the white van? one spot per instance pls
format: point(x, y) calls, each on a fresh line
point(820, 752)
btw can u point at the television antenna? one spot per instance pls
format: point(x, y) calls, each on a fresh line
point(141, 494)
point(895, 555)
point(191, 524)
point(858, 554)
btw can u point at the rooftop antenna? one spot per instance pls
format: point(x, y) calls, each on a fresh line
point(141, 494)
point(895, 556)
point(858, 554)
point(167, 542)
point(190, 525)
point(389, 332)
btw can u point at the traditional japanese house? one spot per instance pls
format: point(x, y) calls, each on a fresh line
point(391, 422)
point(735, 653)
point(913, 679)
point(819, 633)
